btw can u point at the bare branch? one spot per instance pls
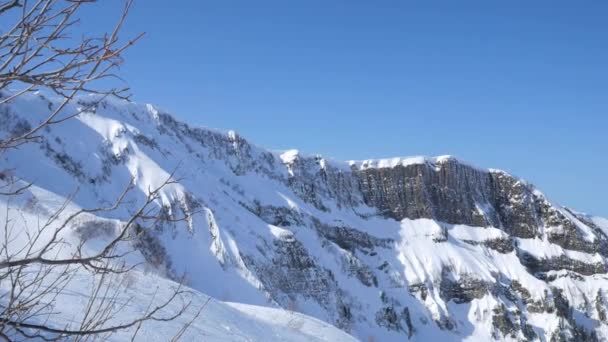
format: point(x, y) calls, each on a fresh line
point(7, 6)
point(41, 52)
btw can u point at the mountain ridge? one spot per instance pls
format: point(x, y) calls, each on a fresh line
point(429, 247)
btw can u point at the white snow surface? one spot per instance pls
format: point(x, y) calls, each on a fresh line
point(398, 161)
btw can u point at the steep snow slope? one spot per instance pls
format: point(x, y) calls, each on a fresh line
point(140, 290)
point(390, 249)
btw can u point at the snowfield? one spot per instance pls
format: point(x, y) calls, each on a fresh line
point(218, 321)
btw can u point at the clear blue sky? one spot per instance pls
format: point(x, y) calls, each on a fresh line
point(516, 85)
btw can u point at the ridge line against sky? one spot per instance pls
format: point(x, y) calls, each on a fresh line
point(517, 86)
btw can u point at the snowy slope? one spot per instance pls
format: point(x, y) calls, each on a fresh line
point(140, 289)
point(389, 249)
point(218, 321)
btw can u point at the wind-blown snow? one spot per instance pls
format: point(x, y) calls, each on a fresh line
point(399, 161)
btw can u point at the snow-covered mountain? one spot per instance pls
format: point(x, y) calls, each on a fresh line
point(385, 250)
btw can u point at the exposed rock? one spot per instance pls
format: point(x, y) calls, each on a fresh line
point(447, 192)
point(501, 321)
point(464, 290)
point(600, 307)
point(349, 238)
point(389, 317)
point(353, 266)
point(539, 267)
point(501, 245)
point(292, 272)
point(277, 216)
point(521, 290)
point(419, 288)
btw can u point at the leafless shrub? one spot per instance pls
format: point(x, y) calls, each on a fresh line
point(41, 51)
point(37, 274)
point(89, 229)
point(295, 322)
point(34, 56)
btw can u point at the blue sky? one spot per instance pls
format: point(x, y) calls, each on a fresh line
point(516, 85)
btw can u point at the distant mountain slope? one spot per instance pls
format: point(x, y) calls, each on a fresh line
point(391, 249)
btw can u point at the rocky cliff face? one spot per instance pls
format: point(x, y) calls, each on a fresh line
point(449, 191)
point(413, 248)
